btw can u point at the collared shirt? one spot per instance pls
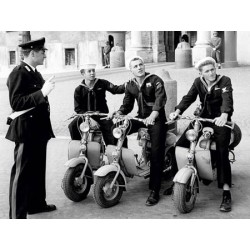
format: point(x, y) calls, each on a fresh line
point(33, 68)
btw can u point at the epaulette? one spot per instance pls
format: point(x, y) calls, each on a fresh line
point(27, 68)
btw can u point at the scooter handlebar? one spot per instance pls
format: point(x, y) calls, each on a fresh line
point(228, 124)
point(88, 114)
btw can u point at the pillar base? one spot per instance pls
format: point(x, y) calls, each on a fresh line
point(159, 53)
point(183, 58)
point(230, 64)
point(200, 52)
point(146, 54)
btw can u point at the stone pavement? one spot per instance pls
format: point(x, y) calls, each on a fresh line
point(132, 204)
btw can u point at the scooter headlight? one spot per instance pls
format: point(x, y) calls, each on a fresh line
point(84, 127)
point(191, 135)
point(117, 133)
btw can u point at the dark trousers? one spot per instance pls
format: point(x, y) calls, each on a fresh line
point(105, 127)
point(222, 137)
point(27, 180)
point(157, 136)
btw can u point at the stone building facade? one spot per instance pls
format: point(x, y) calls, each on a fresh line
point(68, 50)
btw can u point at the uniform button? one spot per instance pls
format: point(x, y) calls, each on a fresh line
point(31, 116)
point(34, 85)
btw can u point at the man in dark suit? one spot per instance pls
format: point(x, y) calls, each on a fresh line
point(30, 129)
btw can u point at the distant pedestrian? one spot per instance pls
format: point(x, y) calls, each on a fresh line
point(215, 43)
point(184, 44)
point(106, 52)
point(30, 129)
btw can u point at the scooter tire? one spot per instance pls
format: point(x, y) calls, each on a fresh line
point(72, 190)
point(108, 199)
point(184, 200)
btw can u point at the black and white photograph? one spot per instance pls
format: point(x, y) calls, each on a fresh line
point(124, 120)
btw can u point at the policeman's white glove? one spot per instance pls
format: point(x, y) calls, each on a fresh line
point(214, 49)
point(48, 86)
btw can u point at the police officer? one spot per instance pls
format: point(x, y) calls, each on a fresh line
point(148, 90)
point(30, 129)
point(215, 93)
point(90, 95)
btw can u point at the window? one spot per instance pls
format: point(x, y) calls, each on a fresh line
point(69, 56)
point(12, 57)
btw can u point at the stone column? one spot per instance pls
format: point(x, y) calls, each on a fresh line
point(140, 46)
point(230, 54)
point(202, 47)
point(159, 53)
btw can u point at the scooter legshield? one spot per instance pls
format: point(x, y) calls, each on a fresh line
point(181, 156)
point(73, 149)
point(204, 164)
point(127, 156)
point(94, 154)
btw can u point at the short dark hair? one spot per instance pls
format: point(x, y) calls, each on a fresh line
point(185, 38)
point(25, 52)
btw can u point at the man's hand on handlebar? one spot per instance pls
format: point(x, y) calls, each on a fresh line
point(113, 114)
point(221, 120)
point(174, 115)
point(150, 120)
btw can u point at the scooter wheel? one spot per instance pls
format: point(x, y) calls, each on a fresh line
point(184, 196)
point(103, 194)
point(73, 189)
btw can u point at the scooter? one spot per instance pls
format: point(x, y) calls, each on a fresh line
point(197, 163)
point(84, 156)
point(111, 179)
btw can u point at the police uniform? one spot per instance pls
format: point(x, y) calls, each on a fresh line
point(215, 101)
point(151, 96)
point(30, 132)
point(94, 99)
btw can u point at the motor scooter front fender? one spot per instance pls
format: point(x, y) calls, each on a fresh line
point(104, 170)
point(76, 161)
point(183, 175)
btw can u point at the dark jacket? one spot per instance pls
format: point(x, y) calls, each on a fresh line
point(25, 92)
point(214, 102)
point(150, 97)
point(86, 99)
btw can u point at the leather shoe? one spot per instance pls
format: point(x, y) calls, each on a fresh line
point(46, 208)
point(152, 199)
point(226, 204)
